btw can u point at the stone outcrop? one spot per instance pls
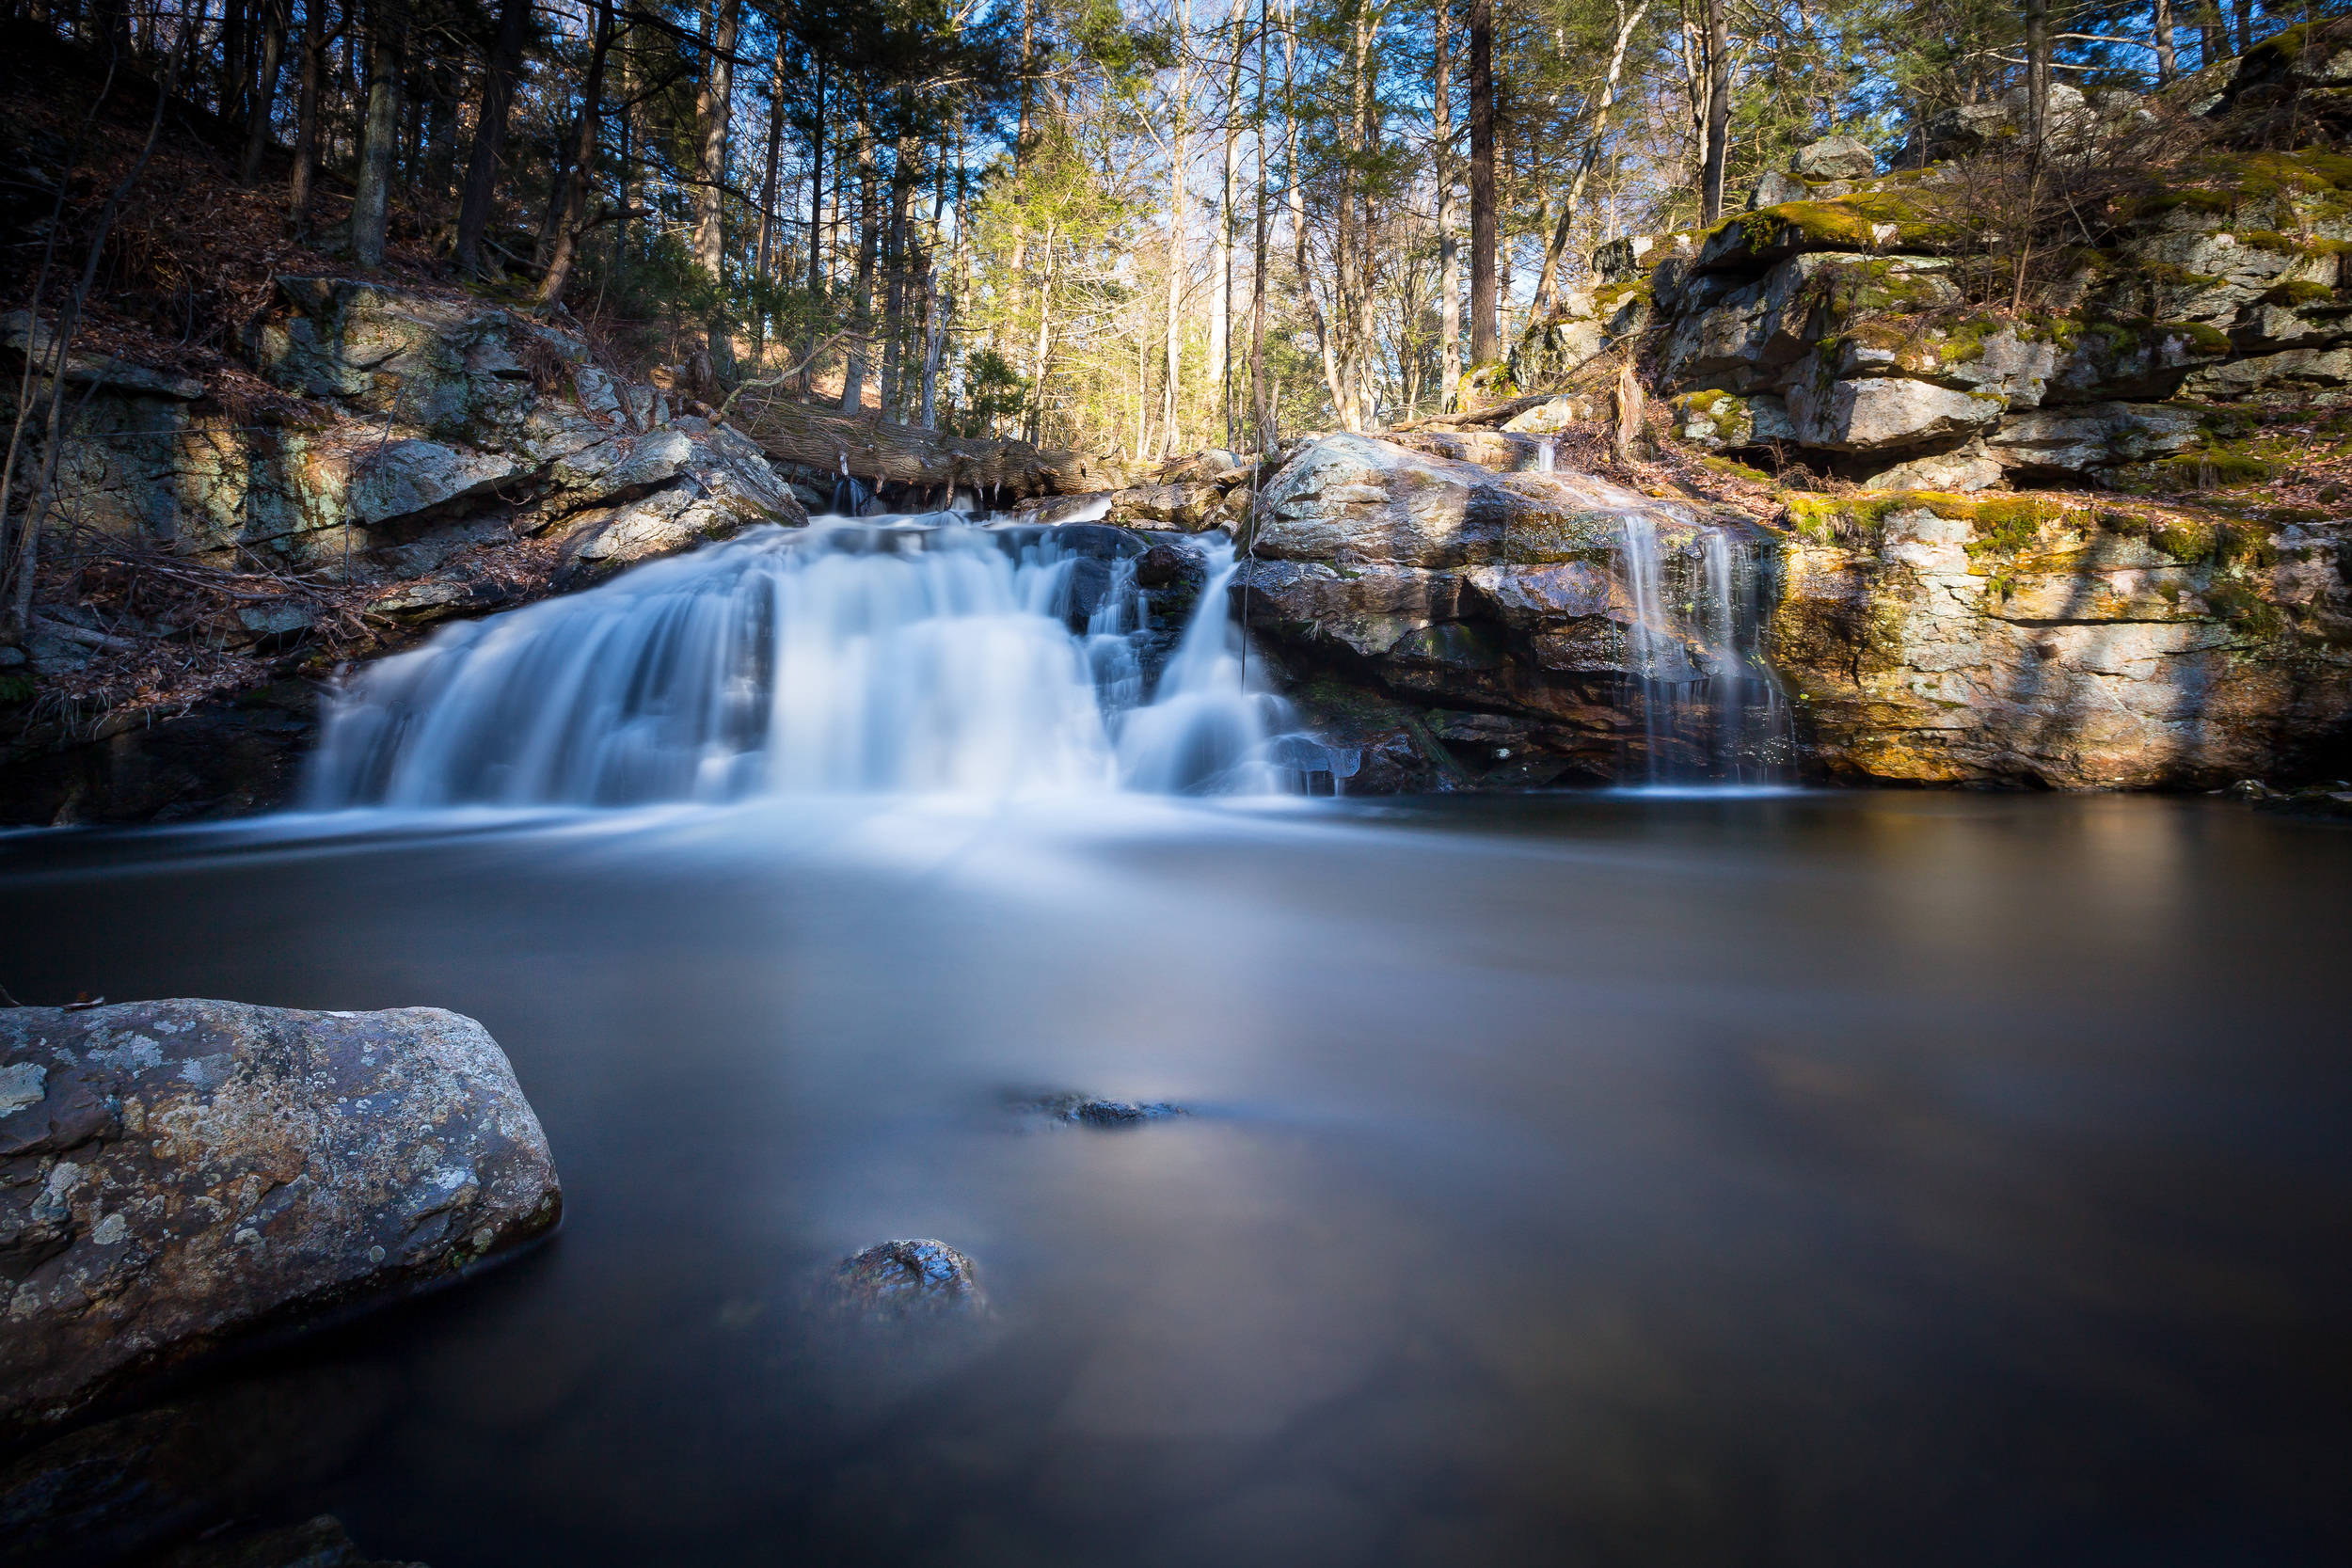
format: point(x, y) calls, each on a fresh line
point(173, 1174)
point(1391, 581)
point(444, 422)
point(1830, 320)
point(1941, 639)
point(443, 455)
point(1449, 617)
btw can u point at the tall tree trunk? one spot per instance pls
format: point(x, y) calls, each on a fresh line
point(306, 154)
point(625, 153)
point(265, 92)
point(229, 82)
point(2167, 60)
point(895, 273)
point(1485, 329)
point(816, 194)
point(1222, 324)
point(713, 104)
point(1259, 406)
point(1177, 150)
point(2213, 34)
point(370, 205)
point(775, 158)
point(1546, 285)
point(862, 292)
point(2244, 26)
point(1033, 425)
point(1449, 260)
point(2037, 74)
point(489, 136)
point(1718, 111)
point(581, 186)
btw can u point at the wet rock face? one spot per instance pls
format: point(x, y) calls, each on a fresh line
point(1385, 578)
point(896, 1280)
point(173, 1173)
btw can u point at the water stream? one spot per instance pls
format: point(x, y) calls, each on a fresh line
point(1853, 1179)
point(1712, 712)
point(894, 655)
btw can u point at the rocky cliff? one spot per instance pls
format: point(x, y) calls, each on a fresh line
point(425, 454)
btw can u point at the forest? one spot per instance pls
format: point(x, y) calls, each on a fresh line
point(1139, 229)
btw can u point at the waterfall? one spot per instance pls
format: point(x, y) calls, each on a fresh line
point(1711, 710)
point(921, 654)
point(1546, 451)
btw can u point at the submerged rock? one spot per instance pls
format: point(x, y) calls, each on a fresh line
point(1086, 1109)
point(175, 1173)
point(908, 1278)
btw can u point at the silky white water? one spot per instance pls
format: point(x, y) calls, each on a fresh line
point(1711, 710)
point(918, 655)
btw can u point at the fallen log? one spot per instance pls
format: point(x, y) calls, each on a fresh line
point(878, 453)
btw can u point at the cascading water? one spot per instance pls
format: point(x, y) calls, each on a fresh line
point(918, 654)
point(1711, 710)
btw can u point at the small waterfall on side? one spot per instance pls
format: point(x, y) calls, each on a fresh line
point(1711, 710)
point(909, 655)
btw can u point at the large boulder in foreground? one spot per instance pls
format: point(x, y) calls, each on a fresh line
point(174, 1173)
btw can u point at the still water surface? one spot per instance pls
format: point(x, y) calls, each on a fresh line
point(1574, 1179)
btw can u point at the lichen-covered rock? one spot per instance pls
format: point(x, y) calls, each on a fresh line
point(2010, 641)
point(446, 421)
point(174, 1173)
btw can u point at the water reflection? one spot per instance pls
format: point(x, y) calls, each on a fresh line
point(1922, 1177)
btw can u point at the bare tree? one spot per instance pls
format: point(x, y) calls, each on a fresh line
point(489, 136)
point(371, 203)
point(1486, 327)
point(713, 106)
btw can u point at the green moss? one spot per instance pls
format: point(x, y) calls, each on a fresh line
point(2184, 539)
point(2280, 48)
point(15, 688)
point(2197, 200)
point(2203, 339)
point(1735, 469)
point(1848, 519)
point(2007, 524)
point(2246, 544)
point(1841, 519)
point(2244, 610)
point(1849, 222)
point(2199, 470)
point(1965, 343)
point(2290, 245)
point(1610, 296)
point(1720, 408)
point(2180, 277)
point(2191, 541)
point(2297, 291)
